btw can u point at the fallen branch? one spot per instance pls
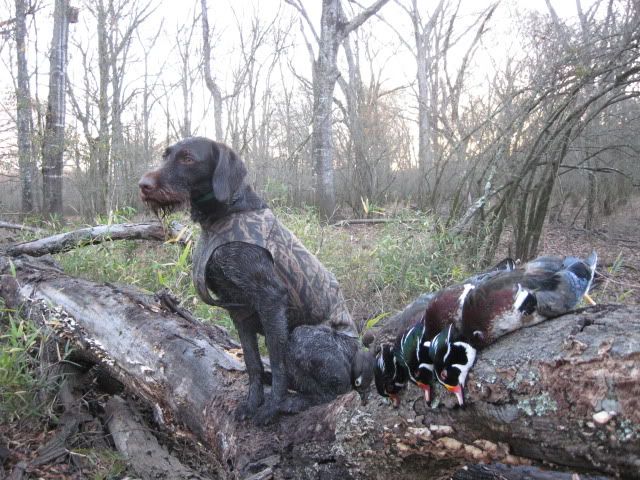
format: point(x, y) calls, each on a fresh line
point(562, 393)
point(64, 242)
point(141, 449)
point(22, 228)
point(373, 221)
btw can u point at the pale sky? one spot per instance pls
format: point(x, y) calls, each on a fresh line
point(224, 16)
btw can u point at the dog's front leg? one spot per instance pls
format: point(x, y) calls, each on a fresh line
point(274, 324)
point(249, 340)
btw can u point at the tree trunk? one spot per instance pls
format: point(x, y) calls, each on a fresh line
point(103, 145)
point(325, 75)
point(53, 148)
point(563, 393)
point(426, 95)
point(23, 112)
point(211, 84)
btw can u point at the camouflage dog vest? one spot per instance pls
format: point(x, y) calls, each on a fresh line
point(314, 294)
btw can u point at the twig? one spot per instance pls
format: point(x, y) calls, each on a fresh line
point(373, 221)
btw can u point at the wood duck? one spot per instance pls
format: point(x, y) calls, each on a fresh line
point(543, 288)
point(409, 359)
point(452, 360)
point(391, 374)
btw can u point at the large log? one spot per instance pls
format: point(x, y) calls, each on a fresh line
point(535, 396)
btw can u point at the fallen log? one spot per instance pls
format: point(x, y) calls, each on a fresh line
point(563, 394)
point(64, 242)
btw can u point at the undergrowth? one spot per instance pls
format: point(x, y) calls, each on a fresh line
point(380, 267)
point(20, 384)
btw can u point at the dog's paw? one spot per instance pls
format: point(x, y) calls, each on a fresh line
point(295, 404)
point(244, 411)
point(266, 414)
point(249, 407)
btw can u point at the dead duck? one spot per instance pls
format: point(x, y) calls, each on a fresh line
point(543, 288)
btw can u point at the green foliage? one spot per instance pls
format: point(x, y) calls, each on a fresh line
point(368, 208)
point(372, 322)
point(276, 192)
point(398, 260)
point(418, 258)
point(19, 382)
point(119, 215)
point(620, 294)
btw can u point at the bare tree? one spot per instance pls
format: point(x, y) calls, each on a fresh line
point(212, 85)
point(110, 168)
point(147, 88)
point(53, 147)
point(569, 87)
point(24, 122)
point(334, 29)
point(375, 132)
point(184, 45)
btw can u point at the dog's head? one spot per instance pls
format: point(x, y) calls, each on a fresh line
point(194, 171)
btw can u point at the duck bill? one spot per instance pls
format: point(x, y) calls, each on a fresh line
point(459, 391)
point(395, 399)
point(364, 397)
point(427, 392)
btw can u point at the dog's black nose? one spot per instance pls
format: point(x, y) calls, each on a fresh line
point(147, 183)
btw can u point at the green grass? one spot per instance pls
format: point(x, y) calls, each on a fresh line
point(380, 267)
point(20, 342)
point(383, 267)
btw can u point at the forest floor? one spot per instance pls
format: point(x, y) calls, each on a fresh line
point(616, 239)
point(381, 268)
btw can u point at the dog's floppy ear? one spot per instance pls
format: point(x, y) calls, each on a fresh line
point(229, 173)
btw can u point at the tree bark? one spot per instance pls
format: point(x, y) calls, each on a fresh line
point(540, 395)
point(23, 112)
point(102, 165)
point(53, 147)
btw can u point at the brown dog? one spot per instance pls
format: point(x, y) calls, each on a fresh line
point(265, 278)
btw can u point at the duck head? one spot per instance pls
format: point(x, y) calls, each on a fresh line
point(390, 374)
point(362, 371)
point(423, 372)
point(452, 361)
point(416, 358)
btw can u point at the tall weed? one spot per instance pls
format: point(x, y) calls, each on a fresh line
point(20, 342)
